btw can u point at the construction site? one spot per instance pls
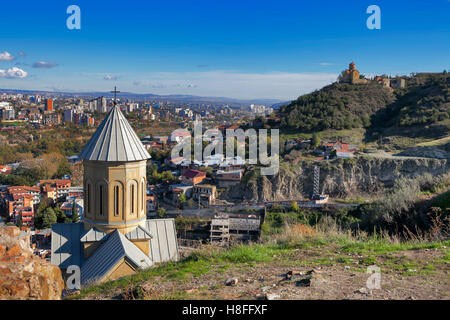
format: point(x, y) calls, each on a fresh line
point(223, 227)
point(226, 225)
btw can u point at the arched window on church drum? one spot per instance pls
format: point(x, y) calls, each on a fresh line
point(116, 201)
point(88, 198)
point(133, 202)
point(117, 198)
point(134, 197)
point(143, 194)
point(101, 200)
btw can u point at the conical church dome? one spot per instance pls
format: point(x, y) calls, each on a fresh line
point(114, 140)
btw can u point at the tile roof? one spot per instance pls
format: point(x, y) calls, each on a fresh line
point(194, 173)
point(114, 140)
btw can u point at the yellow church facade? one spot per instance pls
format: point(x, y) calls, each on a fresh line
point(115, 238)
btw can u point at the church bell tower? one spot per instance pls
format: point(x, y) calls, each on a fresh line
point(115, 180)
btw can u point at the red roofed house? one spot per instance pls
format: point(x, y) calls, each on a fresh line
point(193, 176)
point(5, 170)
point(62, 186)
point(20, 201)
point(343, 150)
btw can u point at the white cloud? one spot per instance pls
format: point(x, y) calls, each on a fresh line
point(110, 77)
point(13, 73)
point(6, 56)
point(44, 64)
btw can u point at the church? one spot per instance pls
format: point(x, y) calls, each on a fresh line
point(351, 75)
point(115, 238)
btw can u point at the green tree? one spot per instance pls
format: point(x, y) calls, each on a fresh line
point(75, 215)
point(294, 206)
point(315, 140)
point(63, 169)
point(45, 219)
point(161, 212)
point(60, 216)
point(19, 222)
point(182, 198)
point(42, 206)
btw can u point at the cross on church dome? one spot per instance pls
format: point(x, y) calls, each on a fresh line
point(114, 140)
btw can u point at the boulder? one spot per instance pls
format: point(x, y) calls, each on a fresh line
point(23, 275)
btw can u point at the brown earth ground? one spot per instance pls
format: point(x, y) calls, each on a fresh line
point(318, 273)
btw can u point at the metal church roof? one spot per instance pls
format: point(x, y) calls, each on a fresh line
point(66, 247)
point(139, 233)
point(109, 254)
point(114, 140)
point(94, 235)
point(163, 245)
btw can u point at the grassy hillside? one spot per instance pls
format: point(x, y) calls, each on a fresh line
point(420, 110)
point(425, 101)
point(326, 263)
point(337, 106)
point(328, 259)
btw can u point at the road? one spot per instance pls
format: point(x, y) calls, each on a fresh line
point(209, 212)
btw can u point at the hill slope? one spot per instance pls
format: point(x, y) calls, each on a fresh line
point(422, 108)
point(337, 106)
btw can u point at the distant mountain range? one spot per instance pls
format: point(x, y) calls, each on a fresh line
point(155, 97)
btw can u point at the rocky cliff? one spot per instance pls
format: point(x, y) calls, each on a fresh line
point(24, 275)
point(341, 178)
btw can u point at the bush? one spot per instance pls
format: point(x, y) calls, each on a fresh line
point(396, 211)
point(161, 212)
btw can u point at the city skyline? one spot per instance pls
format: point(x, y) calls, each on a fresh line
point(237, 50)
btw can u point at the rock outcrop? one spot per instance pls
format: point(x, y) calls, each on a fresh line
point(24, 275)
point(425, 152)
point(340, 178)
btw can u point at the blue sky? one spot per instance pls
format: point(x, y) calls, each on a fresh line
point(241, 49)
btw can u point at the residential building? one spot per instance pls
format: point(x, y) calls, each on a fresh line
point(66, 207)
point(51, 119)
point(193, 177)
point(5, 170)
point(19, 202)
point(229, 178)
point(61, 187)
point(206, 193)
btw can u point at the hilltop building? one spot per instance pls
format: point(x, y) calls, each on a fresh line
point(351, 75)
point(397, 83)
point(115, 238)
